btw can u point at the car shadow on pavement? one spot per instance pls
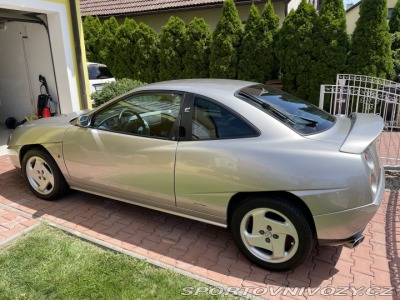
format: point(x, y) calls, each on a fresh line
point(199, 248)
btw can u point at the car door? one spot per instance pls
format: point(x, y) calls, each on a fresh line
point(128, 151)
point(209, 163)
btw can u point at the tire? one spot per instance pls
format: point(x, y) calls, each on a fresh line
point(272, 232)
point(43, 176)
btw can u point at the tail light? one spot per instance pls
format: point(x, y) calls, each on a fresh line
point(372, 171)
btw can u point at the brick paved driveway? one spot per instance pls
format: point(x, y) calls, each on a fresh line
point(202, 249)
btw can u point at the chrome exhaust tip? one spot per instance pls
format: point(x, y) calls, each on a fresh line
point(354, 243)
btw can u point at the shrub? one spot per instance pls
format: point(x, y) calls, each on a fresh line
point(172, 49)
point(124, 61)
point(295, 48)
point(91, 32)
point(107, 43)
point(394, 22)
point(225, 43)
point(145, 54)
point(331, 44)
point(196, 60)
point(114, 89)
point(370, 49)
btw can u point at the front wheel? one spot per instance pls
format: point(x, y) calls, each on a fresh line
point(43, 176)
point(272, 232)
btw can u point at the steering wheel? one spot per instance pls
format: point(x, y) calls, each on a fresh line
point(138, 126)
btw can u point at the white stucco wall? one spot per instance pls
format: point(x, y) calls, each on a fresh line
point(293, 4)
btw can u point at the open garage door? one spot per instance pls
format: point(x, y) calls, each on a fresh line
point(26, 53)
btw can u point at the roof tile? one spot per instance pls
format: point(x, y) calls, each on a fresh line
point(119, 7)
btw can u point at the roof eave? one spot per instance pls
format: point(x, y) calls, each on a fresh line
point(354, 6)
point(175, 9)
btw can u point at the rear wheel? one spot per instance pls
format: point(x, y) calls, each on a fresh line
point(44, 177)
point(272, 232)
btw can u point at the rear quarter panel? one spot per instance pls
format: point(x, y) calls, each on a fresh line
point(209, 173)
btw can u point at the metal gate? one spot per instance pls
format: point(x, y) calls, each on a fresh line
point(365, 94)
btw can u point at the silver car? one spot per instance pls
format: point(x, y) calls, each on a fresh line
point(277, 171)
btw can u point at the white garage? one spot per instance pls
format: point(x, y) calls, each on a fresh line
point(44, 38)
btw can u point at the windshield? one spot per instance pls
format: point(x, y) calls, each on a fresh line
point(298, 114)
point(99, 72)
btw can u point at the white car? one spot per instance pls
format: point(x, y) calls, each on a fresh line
point(99, 75)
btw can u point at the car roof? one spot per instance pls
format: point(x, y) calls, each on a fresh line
point(199, 86)
point(94, 64)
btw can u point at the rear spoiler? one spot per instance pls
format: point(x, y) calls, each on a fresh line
point(365, 128)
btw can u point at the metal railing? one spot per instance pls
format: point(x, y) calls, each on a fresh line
point(365, 94)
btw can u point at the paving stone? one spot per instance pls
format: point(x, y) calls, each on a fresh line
point(203, 249)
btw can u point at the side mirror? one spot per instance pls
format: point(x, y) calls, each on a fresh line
point(83, 121)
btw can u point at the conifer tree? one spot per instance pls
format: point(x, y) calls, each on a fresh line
point(225, 43)
point(107, 42)
point(252, 51)
point(124, 60)
point(271, 24)
point(172, 49)
point(370, 49)
point(91, 31)
point(394, 22)
point(196, 60)
point(145, 54)
point(331, 44)
point(396, 54)
point(295, 48)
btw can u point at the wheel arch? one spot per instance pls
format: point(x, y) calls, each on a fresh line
point(26, 148)
point(58, 185)
point(238, 198)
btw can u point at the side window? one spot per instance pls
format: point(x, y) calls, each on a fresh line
point(211, 121)
point(151, 115)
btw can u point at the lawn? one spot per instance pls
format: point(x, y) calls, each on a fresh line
point(50, 264)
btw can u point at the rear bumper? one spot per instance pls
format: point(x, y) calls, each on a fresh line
point(333, 242)
point(340, 227)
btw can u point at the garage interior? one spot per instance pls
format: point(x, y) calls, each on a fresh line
point(25, 54)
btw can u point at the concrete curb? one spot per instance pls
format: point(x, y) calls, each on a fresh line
point(18, 235)
point(153, 262)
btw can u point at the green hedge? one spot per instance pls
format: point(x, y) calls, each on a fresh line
point(308, 50)
point(114, 89)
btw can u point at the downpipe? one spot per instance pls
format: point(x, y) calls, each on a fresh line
point(354, 243)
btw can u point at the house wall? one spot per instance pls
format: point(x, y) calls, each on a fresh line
point(353, 14)
point(210, 15)
point(293, 5)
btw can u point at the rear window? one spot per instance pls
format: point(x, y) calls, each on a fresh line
point(298, 114)
point(99, 72)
